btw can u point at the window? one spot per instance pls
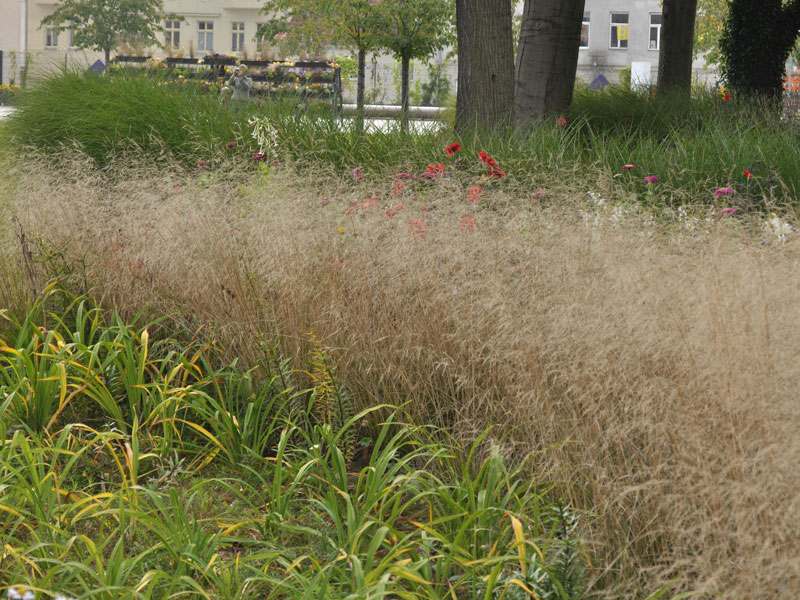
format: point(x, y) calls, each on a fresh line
point(655, 31)
point(51, 37)
point(172, 33)
point(205, 36)
point(585, 31)
point(237, 39)
point(619, 30)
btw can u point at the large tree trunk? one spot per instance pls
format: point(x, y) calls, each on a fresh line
point(360, 84)
point(547, 59)
point(755, 44)
point(485, 95)
point(405, 64)
point(677, 46)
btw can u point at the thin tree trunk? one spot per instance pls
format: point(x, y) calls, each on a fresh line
point(547, 59)
point(677, 47)
point(405, 64)
point(360, 85)
point(485, 96)
point(107, 52)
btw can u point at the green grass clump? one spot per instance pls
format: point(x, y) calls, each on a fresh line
point(134, 468)
point(694, 146)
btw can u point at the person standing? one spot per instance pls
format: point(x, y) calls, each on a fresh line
point(241, 82)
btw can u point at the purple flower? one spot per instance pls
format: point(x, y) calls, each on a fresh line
point(650, 179)
point(230, 145)
point(628, 167)
point(724, 191)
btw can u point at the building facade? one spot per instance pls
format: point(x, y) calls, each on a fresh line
point(618, 33)
point(615, 34)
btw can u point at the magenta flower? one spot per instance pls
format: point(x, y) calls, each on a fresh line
point(357, 174)
point(231, 145)
point(724, 191)
point(650, 179)
point(727, 211)
point(628, 167)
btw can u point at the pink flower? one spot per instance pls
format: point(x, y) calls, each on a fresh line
point(538, 194)
point(727, 211)
point(419, 227)
point(433, 171)
point(724, 191)
point(475, 193)
point(628, 167)
point(391, 212)
point(468, 224)
point(202, 164)
point(398, 188)
point(369, 203)
point(357, 174)
point(260, 157)
point(231, 145)
point(404, 176)
point(650, 179)
point(562, 121)
point(353, 208)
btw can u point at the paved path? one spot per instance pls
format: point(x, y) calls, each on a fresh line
point(5, 111)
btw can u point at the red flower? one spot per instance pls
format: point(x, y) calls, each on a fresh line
point(353, 208)
point(748, 174)
point(726, 97)
point(397, 188)
point(369, 203)
point(562, 121)
point(486, 158)
point(496, 172)
point(468, 224)
point(433, 171)
point(475, 193)
point(419, 227)
point(452, 149)
point(394, 210)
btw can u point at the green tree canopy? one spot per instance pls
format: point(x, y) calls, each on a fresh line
point(105, 24)
point(415, 29)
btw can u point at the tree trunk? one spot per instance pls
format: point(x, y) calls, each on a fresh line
point(360, 85)
point(485, 95)
point(547, 59)
point(677, 47)
point(405, 64)
point(107, 52)
point(755, 44)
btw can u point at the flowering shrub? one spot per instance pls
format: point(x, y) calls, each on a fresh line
point(8, 93)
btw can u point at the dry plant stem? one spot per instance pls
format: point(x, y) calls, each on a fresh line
point(651, 372)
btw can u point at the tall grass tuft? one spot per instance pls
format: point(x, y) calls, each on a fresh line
point(694, 146)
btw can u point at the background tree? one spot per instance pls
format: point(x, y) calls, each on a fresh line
point(547, 58)
point(709, 23)
point(414, 29)
point(755, 43)
point(105, 24)
point(677, 43)
point(485, 95)
point(351, 24)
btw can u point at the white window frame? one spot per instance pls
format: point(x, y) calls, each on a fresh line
point(237, 36)
point(587, 24)
point(613, 30)
point(172, 33)
point(205, 36)
point(657, 27)
point(50, 38)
